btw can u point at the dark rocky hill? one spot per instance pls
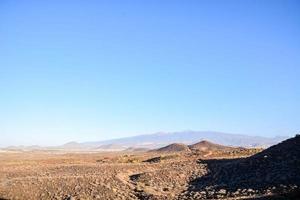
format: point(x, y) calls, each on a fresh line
point(272, 171)
point(208, 146)
point(175, 147)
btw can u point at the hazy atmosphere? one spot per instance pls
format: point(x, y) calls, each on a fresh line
point(96, 70)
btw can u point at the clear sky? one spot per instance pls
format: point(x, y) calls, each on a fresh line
point(94, 70)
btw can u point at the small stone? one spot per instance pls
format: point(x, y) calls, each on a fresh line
point(250, 190)
point(70, 198)
point(114, 189)
point(222, 191)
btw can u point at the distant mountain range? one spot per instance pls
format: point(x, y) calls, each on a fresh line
point(157, 140)
point(161, 139)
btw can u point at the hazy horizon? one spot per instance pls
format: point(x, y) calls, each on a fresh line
point(97, 70)
point(145, 134)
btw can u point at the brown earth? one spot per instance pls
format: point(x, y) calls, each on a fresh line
point(151, 175)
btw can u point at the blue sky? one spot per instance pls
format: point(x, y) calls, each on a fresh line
point(94, 70)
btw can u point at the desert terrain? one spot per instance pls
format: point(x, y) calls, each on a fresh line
point(200, 171)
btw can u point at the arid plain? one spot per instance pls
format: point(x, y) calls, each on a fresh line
point(201, 171)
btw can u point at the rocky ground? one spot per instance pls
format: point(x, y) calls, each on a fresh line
point(272, 171)
point(197, 174)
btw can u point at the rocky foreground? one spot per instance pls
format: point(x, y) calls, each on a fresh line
point(202, 171)
point(273, 171)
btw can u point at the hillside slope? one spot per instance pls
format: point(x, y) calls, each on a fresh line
point(205, 145)
point(175, 147)
point(272, 171)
